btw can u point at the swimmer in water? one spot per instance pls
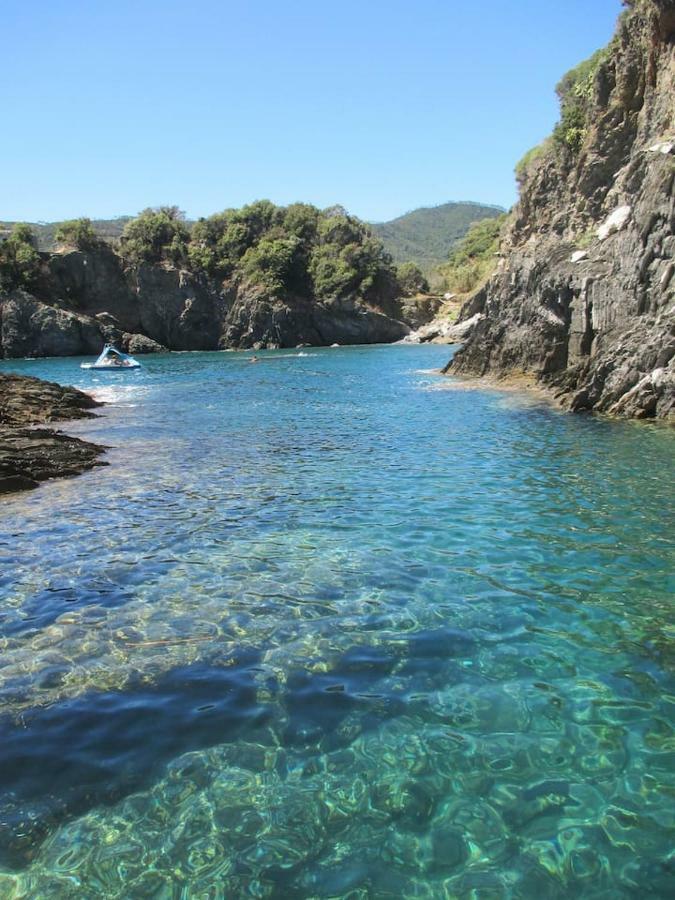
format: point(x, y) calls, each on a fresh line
point(253, 359)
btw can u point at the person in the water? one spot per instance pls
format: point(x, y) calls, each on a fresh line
point(253, 359)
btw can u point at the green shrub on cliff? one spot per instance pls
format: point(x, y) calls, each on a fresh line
point(219, 242)
point(302, 220)
point(156, 235)
point(297, 250)
point(294, 250)
point(347, 258)
point(411, 279)
point(575, 91)
point(19, 258)
point(77, 233)
point(474, 258)
point(270, 262)
point(524, 164)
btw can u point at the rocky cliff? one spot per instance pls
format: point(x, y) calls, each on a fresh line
point(584, 294)
point(82, 298)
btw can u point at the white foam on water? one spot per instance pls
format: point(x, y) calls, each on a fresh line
point(119, 394)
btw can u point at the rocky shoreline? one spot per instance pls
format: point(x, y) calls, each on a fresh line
point(30, 455)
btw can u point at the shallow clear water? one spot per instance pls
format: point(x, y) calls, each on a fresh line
point(331, 625)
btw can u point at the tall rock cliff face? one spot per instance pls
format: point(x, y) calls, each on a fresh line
point(84, 298)
point(584, 293)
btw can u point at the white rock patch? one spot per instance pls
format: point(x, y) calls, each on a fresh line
point(665, 147)
point(615, 222)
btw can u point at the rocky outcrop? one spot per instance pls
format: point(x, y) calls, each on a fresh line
point(257, 320)
point(421, 310)
point(443, 331)
point(31, 401)
point(584, 292)
point(84, 299)
point(29, 456)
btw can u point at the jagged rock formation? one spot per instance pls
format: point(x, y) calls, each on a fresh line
point(28, 456)
point(84, 298)
point(584, 292)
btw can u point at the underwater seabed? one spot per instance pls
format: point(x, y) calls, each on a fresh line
point(395, 642)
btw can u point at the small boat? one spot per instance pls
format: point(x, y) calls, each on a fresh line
point(112, 360)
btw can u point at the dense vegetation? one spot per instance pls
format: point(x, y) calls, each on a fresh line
point(156, 235)
point(296, 250)
point(426, 236)
point(474, 258)
point(78, 233)
point(19, 258)
point(411, 279)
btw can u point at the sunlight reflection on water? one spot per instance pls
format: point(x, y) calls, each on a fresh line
point(323, 629)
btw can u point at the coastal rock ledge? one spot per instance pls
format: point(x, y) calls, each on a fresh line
point(583, 296)
point(31, 455)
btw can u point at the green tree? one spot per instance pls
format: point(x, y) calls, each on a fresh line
point(302, 220)
point(156, 235)
point(19, 258)
point(270, 262)
point(298, 250)
point(77, 233)
point(219, 242)
point(348, 259)
point(411, 279)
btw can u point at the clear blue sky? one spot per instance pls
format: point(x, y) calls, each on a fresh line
point(109, 107)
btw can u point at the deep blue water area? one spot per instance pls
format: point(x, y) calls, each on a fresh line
point(332, 625)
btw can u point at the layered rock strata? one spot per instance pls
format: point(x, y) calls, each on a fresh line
point(584, 293)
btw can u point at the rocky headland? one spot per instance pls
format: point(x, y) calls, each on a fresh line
point(31, 455)
point(259, 277)
point(583, 295)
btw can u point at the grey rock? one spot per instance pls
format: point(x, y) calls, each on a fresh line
point(599, 331)
point(28, 455)
point(420, 310)
point(32, 328)
point(139, 343)
point(444, 332)
point(614, 222)
point(87, 298)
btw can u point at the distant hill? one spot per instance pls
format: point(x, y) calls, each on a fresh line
point(109, 230)
point(426, 236)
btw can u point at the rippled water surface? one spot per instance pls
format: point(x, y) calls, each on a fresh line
point(332, 626)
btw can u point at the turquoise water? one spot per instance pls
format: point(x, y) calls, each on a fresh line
point(331, 625)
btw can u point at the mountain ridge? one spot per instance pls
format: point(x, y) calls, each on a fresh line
point(428, 234)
